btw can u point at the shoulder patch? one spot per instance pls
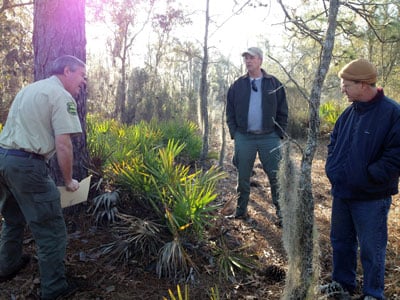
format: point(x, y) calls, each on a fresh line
point(71, 108)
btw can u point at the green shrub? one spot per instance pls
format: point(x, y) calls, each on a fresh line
point(214, 293)
point(145, 162)
point(142, 160)
point(99, 140)
point(229, 261)
point(110, 141)
point(297, 120)
point(180, 295)
point(329, 113)
point(170, 185)
point(187, 133)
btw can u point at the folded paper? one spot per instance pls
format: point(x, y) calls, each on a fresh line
point(80, 195)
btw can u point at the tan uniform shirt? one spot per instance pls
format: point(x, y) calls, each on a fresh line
point(39, 112)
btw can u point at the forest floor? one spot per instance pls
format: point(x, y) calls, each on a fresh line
point(258, 236)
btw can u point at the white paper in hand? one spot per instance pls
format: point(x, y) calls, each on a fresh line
point(80, 195)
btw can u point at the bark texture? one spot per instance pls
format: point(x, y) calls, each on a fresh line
point(59, 29)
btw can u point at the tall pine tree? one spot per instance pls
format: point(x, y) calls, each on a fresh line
point(59, 29)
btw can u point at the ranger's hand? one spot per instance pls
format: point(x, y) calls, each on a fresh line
point(72, 186)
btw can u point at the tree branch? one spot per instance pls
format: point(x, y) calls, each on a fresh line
point(7, 5)
point(301, 25)
point(234, 13)
point(302, 92)
point(365, 15)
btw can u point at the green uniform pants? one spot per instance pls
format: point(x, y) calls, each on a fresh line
point(246, 148)
point(29, 196)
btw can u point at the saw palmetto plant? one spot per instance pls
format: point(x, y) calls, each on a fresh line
point(179, 294)
point(135, 238)
point(214, 293)
point(230, 261)
point(173, 260)
point(186, 193)
point(147, 168)
point(104, 208)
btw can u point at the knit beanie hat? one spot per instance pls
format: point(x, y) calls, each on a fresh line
point(359, 70)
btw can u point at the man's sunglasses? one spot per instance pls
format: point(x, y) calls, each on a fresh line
point(254, 86)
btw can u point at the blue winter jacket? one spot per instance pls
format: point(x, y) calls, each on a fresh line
point(363, 160)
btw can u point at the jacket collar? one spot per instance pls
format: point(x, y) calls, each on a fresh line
point(264, 74)
point(365, 106)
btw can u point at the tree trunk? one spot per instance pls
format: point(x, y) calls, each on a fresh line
point(122, 92)
point(59, 29)
point(223, 137)
point(204, 90)
point(302, 243)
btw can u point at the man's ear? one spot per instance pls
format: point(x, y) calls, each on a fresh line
point(67, 70)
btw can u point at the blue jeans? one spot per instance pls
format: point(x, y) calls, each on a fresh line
point(363, 224)
point(246, 148)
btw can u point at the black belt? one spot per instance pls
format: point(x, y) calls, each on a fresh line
point(257, 132)
point(21, 153)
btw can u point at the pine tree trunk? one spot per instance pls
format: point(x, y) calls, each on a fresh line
point(59, 29)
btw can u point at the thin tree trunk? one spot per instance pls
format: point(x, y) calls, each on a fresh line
point(204, 88)
point(223, 138)
point(304, 261)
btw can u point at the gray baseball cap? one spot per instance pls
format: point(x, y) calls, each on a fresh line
point(253, 51)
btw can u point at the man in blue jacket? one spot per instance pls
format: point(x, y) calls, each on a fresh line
point(256, 114)
point(363, 166)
